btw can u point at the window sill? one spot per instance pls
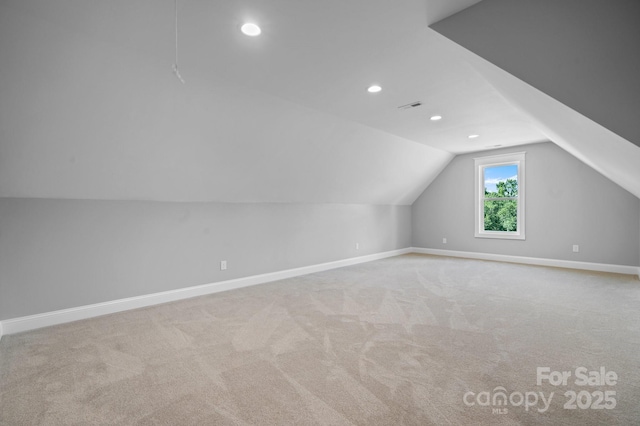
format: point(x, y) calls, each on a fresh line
point(501, 235)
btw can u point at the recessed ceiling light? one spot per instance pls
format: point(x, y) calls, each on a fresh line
point(473, 136)
point(251, 29)
point(374, 89)
point(436, 117)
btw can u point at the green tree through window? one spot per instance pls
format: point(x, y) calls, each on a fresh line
point(501, 207)
point(500, 196)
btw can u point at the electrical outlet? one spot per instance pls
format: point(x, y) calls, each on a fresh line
point(223, 265)
point(357, 246)
point(444, 241)
point(576, 248)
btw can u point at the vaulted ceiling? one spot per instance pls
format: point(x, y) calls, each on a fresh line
point(90, 107)
point(571, 66)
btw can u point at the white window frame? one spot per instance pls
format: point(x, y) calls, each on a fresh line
point(481, 163)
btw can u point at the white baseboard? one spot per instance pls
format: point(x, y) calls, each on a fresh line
point(32, 322)
point(601, 267)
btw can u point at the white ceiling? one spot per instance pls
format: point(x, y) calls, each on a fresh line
point(90, 108)
point(318, 54)
point(324, 54)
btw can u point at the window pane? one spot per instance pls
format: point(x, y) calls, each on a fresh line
point(501, 215)
point(501, 181)
point(500, 196)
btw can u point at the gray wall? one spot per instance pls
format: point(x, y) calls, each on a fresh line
point(567, 203)
point(57, 254)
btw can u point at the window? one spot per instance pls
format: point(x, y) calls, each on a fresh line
point(500, 196)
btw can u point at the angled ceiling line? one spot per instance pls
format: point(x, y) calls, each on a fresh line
point(176, 71)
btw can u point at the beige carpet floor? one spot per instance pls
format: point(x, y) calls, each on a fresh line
point(415, 340)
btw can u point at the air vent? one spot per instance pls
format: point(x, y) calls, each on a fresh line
point(411, 105)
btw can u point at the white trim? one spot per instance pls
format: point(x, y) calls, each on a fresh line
point(572, 264)
point(480, 163)
point(32, 322)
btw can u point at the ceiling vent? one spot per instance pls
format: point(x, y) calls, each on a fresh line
point(411, 105)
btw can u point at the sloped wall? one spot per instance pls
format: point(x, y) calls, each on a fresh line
point(567, 203)
point(584, 53)
point(91, 118)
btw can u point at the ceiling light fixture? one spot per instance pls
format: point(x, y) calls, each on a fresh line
point(250, 29)
point(473, 136)
point(436, 117)
point(374, 89)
